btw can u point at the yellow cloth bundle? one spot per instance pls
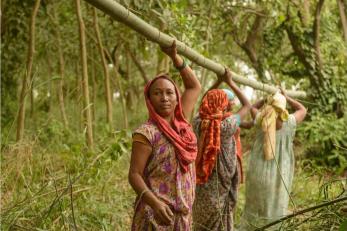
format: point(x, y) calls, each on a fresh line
point(275, 107)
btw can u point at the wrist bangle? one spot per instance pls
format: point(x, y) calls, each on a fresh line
point(182, 66)
point(142, 193)
point(140, 197)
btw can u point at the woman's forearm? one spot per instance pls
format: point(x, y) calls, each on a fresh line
point(189, 78)
point(294, 104)
point(216, 84)
point(243, 99)
point(259, 104)
point(139, 185)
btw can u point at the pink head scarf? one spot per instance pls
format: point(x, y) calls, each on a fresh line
point(180, 134)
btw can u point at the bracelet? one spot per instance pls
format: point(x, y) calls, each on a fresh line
point(180, 68)
point(140, 197)
point(142, 193)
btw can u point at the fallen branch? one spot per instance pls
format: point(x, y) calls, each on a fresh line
point(121, 14)
point(303, 211)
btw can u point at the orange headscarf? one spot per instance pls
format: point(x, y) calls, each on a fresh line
point(212, 112)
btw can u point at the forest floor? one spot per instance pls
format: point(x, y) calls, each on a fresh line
point(46, 189)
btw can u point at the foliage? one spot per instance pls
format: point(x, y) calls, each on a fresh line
point(41, 182)
point(14, 28)
point(36, 171)
point(325, 140)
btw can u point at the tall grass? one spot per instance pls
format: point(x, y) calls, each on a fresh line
point(50, 181)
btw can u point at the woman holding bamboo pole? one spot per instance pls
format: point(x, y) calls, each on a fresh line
point(216, 163)
point(162, 170)
point(271, 165)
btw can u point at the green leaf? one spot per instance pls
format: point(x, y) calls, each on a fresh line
point(343, 226)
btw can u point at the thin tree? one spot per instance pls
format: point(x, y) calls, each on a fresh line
point(50, 88)
point(86, 102)
point(60, 92)
point(105, 69)
point(138, 64)
point(29, 64)
point(94, 83)
point(119, 85)
point(342, 11)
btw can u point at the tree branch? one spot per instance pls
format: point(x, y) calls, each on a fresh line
point(303, 211)
point(137, 64)
point(316, 31)
point(248, 46)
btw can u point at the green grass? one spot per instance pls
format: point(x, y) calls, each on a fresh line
point(36, 193)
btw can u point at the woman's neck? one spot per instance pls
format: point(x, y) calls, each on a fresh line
point(169, 119)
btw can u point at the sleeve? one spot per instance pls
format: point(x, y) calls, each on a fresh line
point(292, 121)
point(237, 119)
point(143, 135)
point(137, 137)
point(230, 124)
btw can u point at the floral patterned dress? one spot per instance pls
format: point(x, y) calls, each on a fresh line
point(164, 177)
point(216, 199)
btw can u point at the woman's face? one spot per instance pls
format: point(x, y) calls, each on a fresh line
point(163, 97)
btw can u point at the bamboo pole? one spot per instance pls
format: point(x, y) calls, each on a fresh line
point(121, 14)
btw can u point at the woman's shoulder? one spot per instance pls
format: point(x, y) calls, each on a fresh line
point(148, 129)
point(233, 119)
point(291, 122)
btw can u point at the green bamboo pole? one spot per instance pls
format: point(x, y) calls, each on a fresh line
point(123, 15)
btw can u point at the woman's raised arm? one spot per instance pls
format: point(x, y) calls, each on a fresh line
point(191, 83)
point(227, 77)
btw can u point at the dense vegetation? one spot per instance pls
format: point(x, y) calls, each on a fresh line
point(65, 169)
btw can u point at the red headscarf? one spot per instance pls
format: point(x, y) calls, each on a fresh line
point(212, 112)
point(180, 134)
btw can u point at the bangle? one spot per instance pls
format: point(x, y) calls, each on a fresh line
point(143, 192)
point(140, 197)
point(183, 65)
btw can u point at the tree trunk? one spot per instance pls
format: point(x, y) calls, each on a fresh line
point(86, 101)
point(249, 46)
point(50, 85)
point(32, 103)
point(138, 65)
point(78, 86)
point(61, 70)
point(30, 57)
point(129, 98)
point(342, 11)
point(119, 13)
point(105, 69)
point(316, 32)
point(207, 48)
point(95, 86)
point(120, 88)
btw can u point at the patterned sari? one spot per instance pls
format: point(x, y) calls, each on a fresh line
point(216, 199)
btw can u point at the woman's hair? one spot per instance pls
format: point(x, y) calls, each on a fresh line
point(160, 76)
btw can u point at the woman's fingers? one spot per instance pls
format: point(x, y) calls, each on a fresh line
point(173, 44)
point(167, 215)
point(159, 218)
point(164, 215)
point(169, 212)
